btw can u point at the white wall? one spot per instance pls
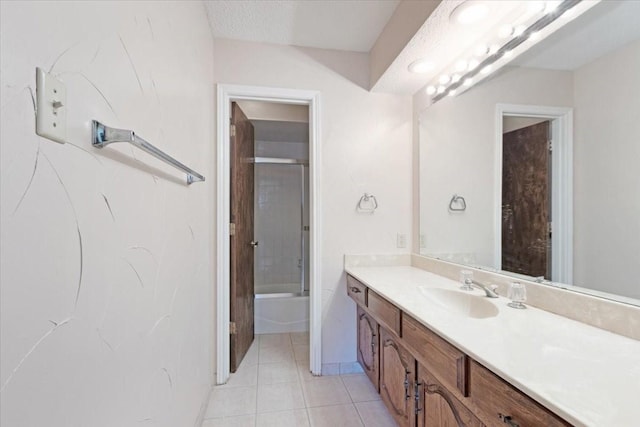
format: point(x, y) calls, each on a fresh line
point(106, 289)
point(457, 156)
point(366, 146)
point(606, 177)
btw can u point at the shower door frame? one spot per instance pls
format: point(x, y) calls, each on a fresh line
point(303, 240)
point(226, 94)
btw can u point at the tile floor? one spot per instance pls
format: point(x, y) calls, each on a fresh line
point(274, 388)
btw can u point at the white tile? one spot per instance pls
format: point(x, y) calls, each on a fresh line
point(325, 391)
point(298, 338)
point(229, 401)
point(280, 397)
point(251, 358)
point(273, 373)
point(301, 352)
point(360, 388)
point(332, 416)
point(297, 418)
point(350, 368)
point(276, 355)
point(239, 421)
point(275, 340)
point(375, 414)
point(245, 376)
point(330, 369)
point(304, 371)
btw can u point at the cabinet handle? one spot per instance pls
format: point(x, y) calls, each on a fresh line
point(507, 420)
point(407, 396)
point(355, 290)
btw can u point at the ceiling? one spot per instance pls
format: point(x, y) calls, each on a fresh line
point(352, 25)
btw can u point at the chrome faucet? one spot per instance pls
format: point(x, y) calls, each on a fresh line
point(490, 291)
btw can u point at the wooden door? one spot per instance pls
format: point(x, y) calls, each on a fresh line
point(526, 242)
point(368, 346)
point(397, 375)
point(242, 245)
point(438, 406)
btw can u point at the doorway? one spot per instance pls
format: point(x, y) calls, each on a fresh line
point(307, 172)
point(526, 196)
point(534, 194)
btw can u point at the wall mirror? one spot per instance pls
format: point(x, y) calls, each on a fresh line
point(546, 154)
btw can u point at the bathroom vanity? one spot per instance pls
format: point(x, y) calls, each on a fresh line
point(440, 356)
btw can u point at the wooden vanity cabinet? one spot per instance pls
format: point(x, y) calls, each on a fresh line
point(357, 291)
point(368, 345)
point(498, 403)
point(425, 381)
point(438, 407)
point(397, 379)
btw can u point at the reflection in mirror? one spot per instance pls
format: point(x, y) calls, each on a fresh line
point(546, 155)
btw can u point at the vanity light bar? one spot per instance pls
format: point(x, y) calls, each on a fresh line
point(508, 47)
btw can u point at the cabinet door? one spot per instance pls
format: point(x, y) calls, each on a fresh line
point(438, 406)
point(397, 375)
point(368, 346)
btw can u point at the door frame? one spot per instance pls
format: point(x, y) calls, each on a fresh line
point(225, 94)
point(561, 184)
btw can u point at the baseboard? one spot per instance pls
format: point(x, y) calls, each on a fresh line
point(343, 368)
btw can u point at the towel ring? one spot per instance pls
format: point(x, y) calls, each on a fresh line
point(367, 203)
point(457, 204)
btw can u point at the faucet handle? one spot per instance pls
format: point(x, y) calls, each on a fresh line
point(494, 288)
point(518, 295)
point(466, 278)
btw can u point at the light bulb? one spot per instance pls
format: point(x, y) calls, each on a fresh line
point(508, 54)
point(536, 6)
point(519, 30)
point(468, 82)
point(473, 64)
point(550, 6)
point(421, 66)
point(486, 70)
point(482, 50)
point(444, 79)
point(461, 65)
point(505, 31)
point(470, 12)
point(534, 36)
point(493, 49)
point(452, 92)
point(431, 90)
point(441, 89)
point(455, 78)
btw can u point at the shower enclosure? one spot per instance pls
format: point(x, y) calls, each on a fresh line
point(281, 227)
point(282, 255)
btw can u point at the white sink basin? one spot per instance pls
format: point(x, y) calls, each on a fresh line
point(460, 302)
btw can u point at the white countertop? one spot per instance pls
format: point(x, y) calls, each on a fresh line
point(586, 375)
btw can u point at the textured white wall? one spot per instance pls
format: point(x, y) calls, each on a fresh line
point(606, 177)
point(366, 146)
point(457, 156)
point(106, 294)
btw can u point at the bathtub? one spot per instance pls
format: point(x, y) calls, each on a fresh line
point(281, 312)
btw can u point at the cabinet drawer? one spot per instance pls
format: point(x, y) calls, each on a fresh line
point(357, 291)
point(493, 399)
point(442, 359)
point(384, 312)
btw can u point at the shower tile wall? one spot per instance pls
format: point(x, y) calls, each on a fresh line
point(278, 222)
